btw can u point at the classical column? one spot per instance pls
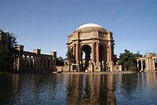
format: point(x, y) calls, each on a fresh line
point(93, 52)
point(153, 64)
point(29, 63)
point(74, 50)
point(141, 64)
point(148, 64)
point(77, 52)
point(110, 51)
point(51, 63)
point(25, 64)
point(37, 63)
point(97, 52)
point(137, 63)
point(33, 63)
point(18, 64)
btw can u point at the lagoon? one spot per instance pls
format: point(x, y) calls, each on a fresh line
point(78, 89)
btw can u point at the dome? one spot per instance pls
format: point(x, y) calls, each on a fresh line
point(89, 25)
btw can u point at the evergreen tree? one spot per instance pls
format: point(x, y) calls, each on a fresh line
point(128, 59)
point(4, 58)
point(8, 54)
point(59, 61)
point(71, 58)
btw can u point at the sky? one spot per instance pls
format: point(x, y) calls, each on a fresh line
point(45, 24)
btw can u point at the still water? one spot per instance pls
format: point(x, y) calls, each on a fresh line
point(78, 89)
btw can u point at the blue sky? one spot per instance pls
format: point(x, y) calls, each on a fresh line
point(45, 24)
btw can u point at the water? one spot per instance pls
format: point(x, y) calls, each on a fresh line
point(78, 89)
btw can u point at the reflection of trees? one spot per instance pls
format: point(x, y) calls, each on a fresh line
point(9, 87)
point(91, 89)
point(129, 82)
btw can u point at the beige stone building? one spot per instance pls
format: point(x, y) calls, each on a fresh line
point(147, 63)
point(93, 48)
point(34, 61)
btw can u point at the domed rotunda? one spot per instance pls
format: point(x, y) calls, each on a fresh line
point(93, 48)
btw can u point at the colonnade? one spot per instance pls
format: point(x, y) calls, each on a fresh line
point(34, 61)
point(97, 59)
point(147, 62)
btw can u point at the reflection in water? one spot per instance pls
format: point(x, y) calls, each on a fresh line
point(139, 89)
point(78, 89)
point(91, 89)
point(9, 87)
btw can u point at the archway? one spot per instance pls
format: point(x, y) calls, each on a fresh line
point(86, 56)
point(102, 57)
point(155, 61)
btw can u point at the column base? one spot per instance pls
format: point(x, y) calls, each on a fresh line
point(97, 67)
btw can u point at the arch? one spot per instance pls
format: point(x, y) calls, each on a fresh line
point(86, 53)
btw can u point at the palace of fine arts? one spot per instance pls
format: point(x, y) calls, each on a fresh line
point(78, 52)
point(90, 48)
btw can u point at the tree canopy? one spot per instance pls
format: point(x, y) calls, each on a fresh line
point(128, 59)
point(59, 61)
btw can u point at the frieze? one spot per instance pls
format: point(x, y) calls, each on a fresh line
point(84, 35)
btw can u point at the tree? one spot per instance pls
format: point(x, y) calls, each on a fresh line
point(12, 50)
point(71, 58)
point(128, 59)
point(8, 54)
point(59, 61)
point(4, 58)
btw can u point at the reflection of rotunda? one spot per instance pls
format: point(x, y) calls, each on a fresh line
point(92, 47)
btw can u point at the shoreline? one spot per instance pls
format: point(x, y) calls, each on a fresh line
point(122, 72)
point(74, 72)
point(114, 72)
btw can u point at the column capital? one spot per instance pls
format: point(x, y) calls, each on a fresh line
point(97, 42)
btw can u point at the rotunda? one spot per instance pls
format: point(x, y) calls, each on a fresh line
point(93, 48)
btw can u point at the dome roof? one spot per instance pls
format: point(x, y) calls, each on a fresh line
point(89, 25)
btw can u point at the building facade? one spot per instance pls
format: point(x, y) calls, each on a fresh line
point(93, 48)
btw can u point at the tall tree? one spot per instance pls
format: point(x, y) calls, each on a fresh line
point(8, 54)
point(71, 58)
point(128, 59)
point(4, 58)
point(13, 53)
